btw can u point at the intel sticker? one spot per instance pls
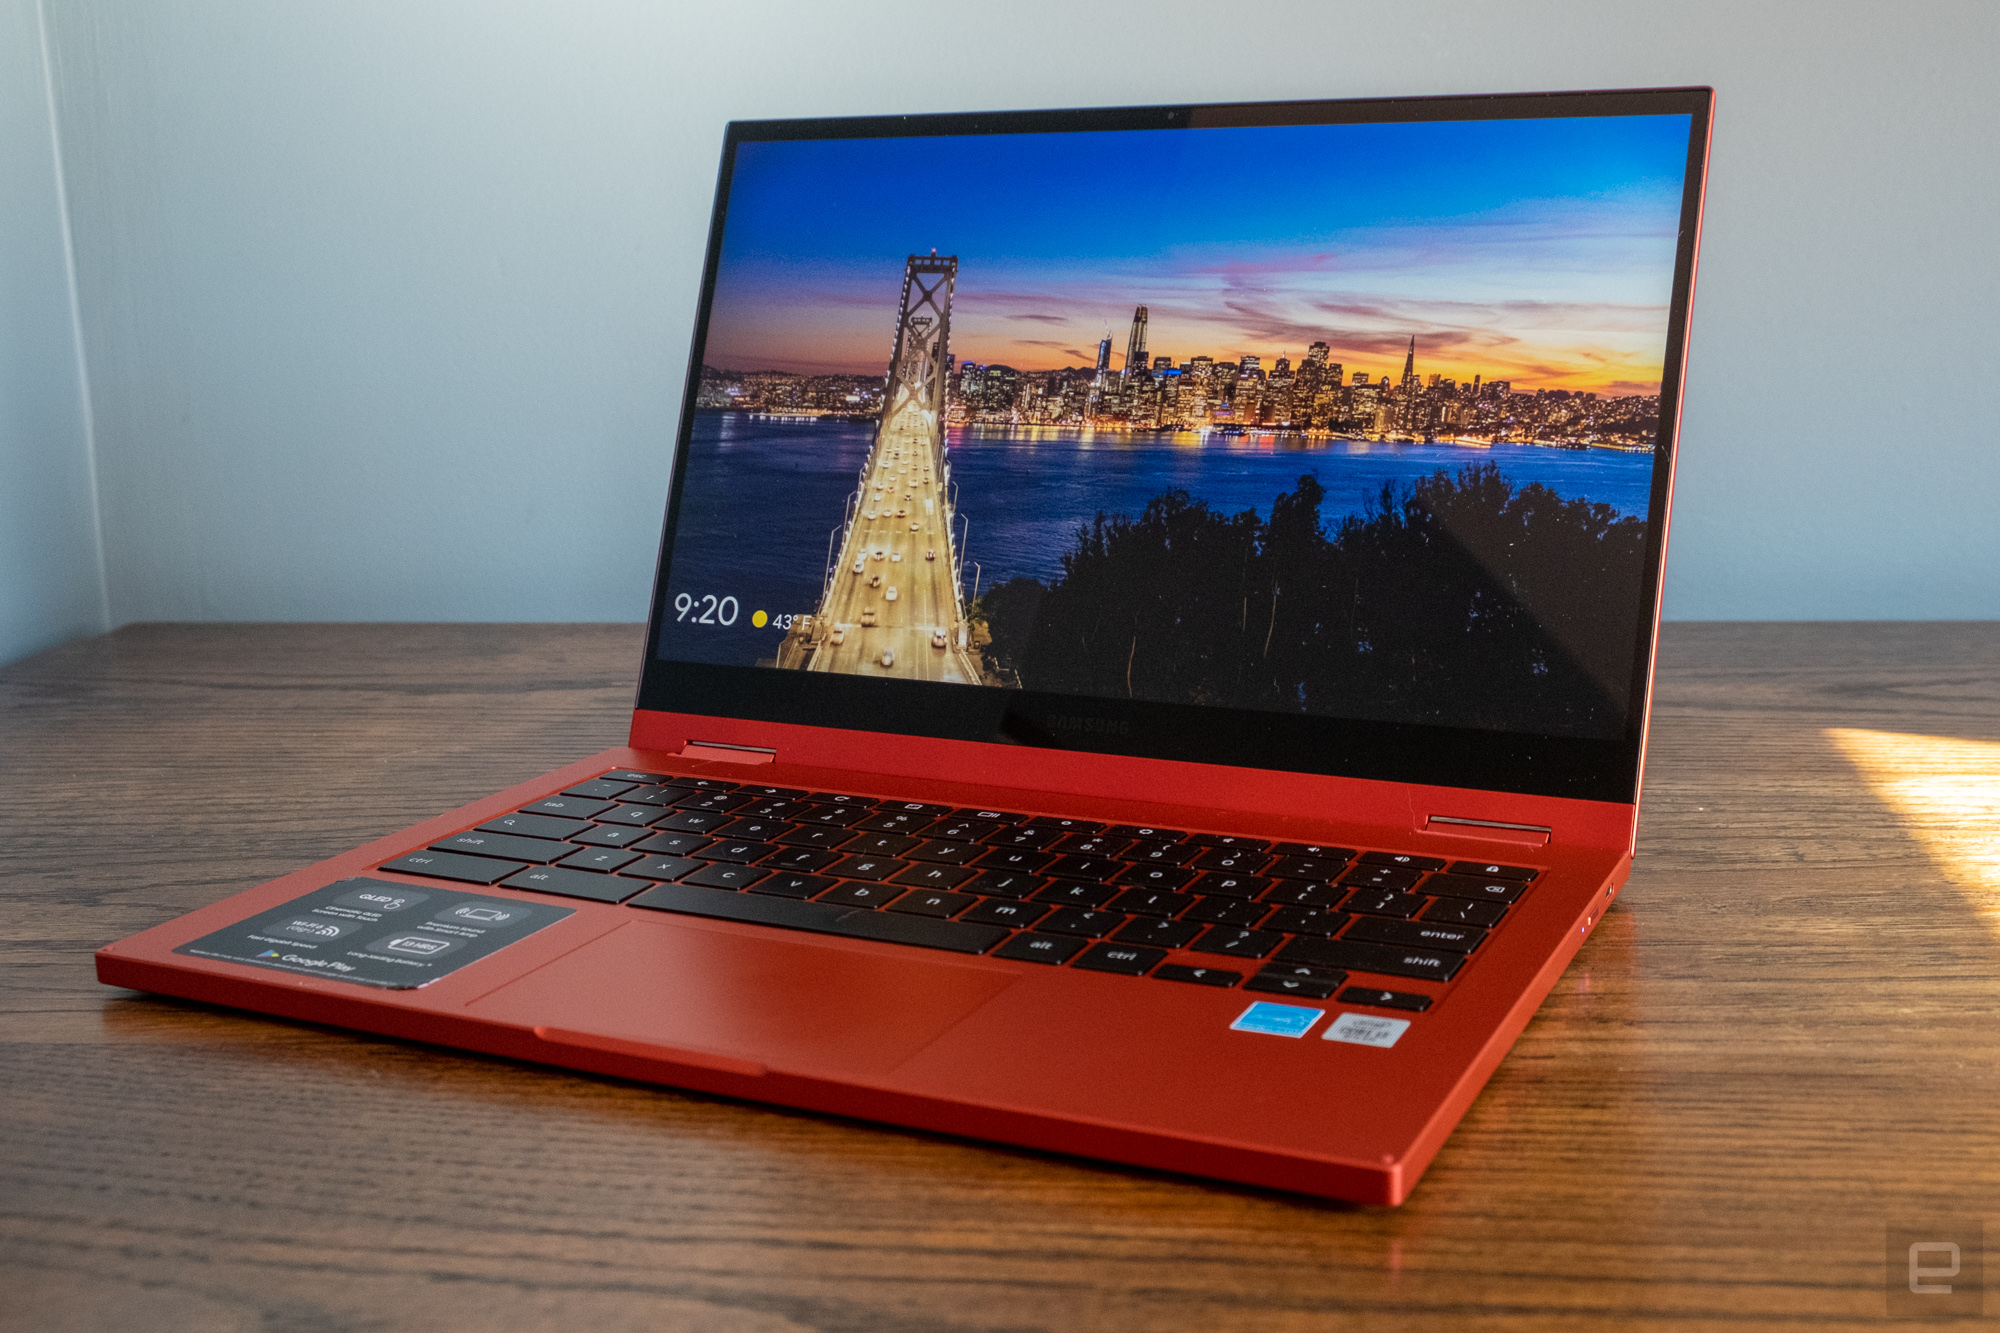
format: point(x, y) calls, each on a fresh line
point(1367, 1029)
point(1278, 1020)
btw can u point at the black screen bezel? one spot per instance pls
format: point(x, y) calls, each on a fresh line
point(1592, 769)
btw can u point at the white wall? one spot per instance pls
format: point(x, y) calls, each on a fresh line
point(51, 571)
point(387, 305)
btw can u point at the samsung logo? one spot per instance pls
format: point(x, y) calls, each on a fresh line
point(1088, 726)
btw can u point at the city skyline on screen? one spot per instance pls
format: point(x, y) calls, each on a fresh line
point(1539, 252)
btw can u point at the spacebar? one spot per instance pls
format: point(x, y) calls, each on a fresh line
point(856, 922)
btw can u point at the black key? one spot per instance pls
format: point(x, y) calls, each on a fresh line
point(1153, 902)
point(1460, 912)
point(772, 793)
point(639, 816)
point(1063, 824)
point(923, 902)
point(1384, 902)
point(1278, 983)
point(894, 821)
point(478, 842)
point(1030, 947)
point(858, 893)
point(1163, 854)
point(713, 800)
point(631, 775)
point(1084, 867)
point(1381, 877)
point(570, 807)
point(1314, 851)
point(1231, 886)
point(1146, 833)
point(725, 875)
point(1157, 877)
point(1386, 999)
point(1230, 840)
point(867, 867)
point(880, 844)
point(1403, 859)
point(847, 799)
point(1078, 921)
point(653, 795)
point(815, 835)
point(944, 853)
point(1073, 893)
point(836, 816)
point(1306, 867)
point(603, 860)
point(1485, 871)
point(1241, 860)
point(994, 816)
point(933, 877)
point(1003, 884)
point(1158, 932)
point(661, 867)
point(535, 826)
point(1333, 975)
point(962, 830)
point(1086, 844)
point(996, 912)
point(1126, 960)
point(1228, 912)
point(694, 821)
point(754, 830)
point(1383, 959)
point(792, 886)
point(772, 810)
point(451, 865)
point(801, 858)
point(1200, 976)
point(671, 844)
point(824, 917)
point(599, 789)
point(612, 835)
point(735, 849)
point(701, 784)
point(1420, 934)
point(928, 811)
point(1305, 892)
point(1238, 943)
point(1483, 890)
point(1030, 839)
point(1306, 921)
point(1014, 858)
point(576, 884)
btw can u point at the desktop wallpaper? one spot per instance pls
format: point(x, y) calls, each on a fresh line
point(1352, 420)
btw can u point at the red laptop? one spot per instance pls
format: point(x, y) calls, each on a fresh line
point(1150, 651)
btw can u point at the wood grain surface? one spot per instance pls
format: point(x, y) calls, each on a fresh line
point(1783, 1040)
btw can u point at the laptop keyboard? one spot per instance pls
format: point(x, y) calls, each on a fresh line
point(1207, 909)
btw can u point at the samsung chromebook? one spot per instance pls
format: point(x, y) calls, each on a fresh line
point(1150, 651)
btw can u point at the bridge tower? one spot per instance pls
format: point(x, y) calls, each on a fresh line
point(893, 603)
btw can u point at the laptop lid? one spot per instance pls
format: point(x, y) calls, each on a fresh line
point(1329, 438)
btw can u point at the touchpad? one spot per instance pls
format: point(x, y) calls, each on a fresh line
point(781, 1001)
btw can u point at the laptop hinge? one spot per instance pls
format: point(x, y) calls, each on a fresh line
point(719, 752)
point(1527, 835)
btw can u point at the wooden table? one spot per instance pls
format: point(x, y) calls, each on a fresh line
point(1783, 1040)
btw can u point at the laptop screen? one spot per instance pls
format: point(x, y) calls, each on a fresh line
point(1358, 412)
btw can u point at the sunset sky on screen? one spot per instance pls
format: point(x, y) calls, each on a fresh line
point(1536, 251)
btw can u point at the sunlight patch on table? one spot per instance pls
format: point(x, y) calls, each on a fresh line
point(1946, 792)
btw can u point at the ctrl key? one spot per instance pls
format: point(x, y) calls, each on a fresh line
point(1034, 948)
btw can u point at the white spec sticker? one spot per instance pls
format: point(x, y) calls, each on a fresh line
point(1367, 1029)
